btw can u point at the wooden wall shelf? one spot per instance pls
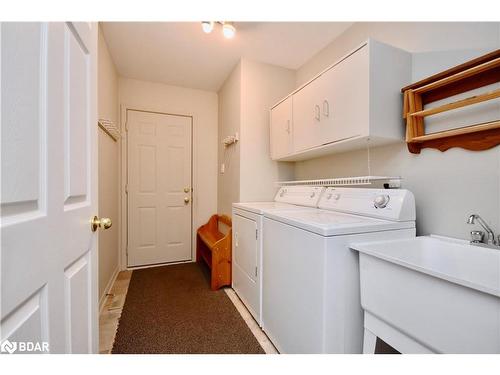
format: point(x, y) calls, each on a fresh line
point(482, 71)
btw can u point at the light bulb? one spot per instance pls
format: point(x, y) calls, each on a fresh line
point(228, 30)
point(207, 26)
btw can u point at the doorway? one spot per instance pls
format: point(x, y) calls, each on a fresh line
point(159, 188)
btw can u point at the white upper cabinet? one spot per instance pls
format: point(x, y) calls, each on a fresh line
point(281, 129)
point(354, 103)
point(307, 116)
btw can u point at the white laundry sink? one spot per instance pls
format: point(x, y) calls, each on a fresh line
point(431, 295)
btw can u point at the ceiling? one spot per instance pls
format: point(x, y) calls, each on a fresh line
point(181, 54)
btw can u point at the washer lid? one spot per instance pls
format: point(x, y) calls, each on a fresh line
point(329, 223)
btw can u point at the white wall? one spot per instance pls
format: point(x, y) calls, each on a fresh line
point(108, 167)
point(414, 37)
point(262, 85)
point(448, 186)
point(229, 124)
point(244, 102)
point(202, 106)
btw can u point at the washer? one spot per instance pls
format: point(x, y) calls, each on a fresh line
point(248, 235)
point(311, 298)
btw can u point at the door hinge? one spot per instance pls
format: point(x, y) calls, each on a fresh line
point(255, 271)
point(256, 233)
point(126, 188)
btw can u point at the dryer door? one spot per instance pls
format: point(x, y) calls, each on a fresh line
point(246, 274)
point(245, 245)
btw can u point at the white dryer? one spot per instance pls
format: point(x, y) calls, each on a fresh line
point(248, 235)
point(311, 297)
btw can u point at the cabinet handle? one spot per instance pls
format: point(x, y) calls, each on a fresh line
point(317, 112)
point(288, 126)
point(326, 108)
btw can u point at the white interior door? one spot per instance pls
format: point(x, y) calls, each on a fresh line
point(159, 188)
point(49, 185)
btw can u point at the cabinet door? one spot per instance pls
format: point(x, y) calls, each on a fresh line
point(335, 105)
point(344, 104)
point(281, 129)
point(307, 116)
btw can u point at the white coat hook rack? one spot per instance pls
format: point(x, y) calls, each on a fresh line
point(109, 128)
point(230, 139)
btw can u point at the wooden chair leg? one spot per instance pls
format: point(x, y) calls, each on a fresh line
point(214, 279)
point(198, 245)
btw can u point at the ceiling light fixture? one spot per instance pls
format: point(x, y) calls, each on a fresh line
point(207, 26)
point(228, 29)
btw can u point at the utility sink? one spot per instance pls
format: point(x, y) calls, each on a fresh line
point(431, 295)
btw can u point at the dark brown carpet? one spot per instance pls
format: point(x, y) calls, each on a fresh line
point(171, 309)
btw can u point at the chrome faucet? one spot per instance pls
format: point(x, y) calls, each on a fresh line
point(490, 239)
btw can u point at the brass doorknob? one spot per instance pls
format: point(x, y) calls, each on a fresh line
point(186, 200)
point(103, 223)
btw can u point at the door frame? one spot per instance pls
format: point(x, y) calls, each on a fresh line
point(123, 178)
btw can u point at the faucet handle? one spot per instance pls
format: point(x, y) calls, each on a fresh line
point(476, 236)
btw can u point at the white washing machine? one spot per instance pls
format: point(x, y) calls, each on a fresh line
point(248, 235)
point(311, 297)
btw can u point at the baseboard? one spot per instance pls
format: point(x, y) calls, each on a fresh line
point(131, 268)
point(111, 281)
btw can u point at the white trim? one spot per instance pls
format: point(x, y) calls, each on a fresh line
point(123, 180)
point(111, 281)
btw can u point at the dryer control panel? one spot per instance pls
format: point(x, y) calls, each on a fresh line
point(300, 195)
point(389, 204)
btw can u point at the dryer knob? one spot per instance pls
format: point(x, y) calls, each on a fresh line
point(381, 201)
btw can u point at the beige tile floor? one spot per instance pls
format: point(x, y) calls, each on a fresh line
point(112, 310)
point(251, 323)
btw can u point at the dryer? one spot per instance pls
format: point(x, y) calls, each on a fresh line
point(311, 297)
point(248, 235)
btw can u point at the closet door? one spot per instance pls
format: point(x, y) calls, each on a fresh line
point(48, 274)
point(281, 129)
